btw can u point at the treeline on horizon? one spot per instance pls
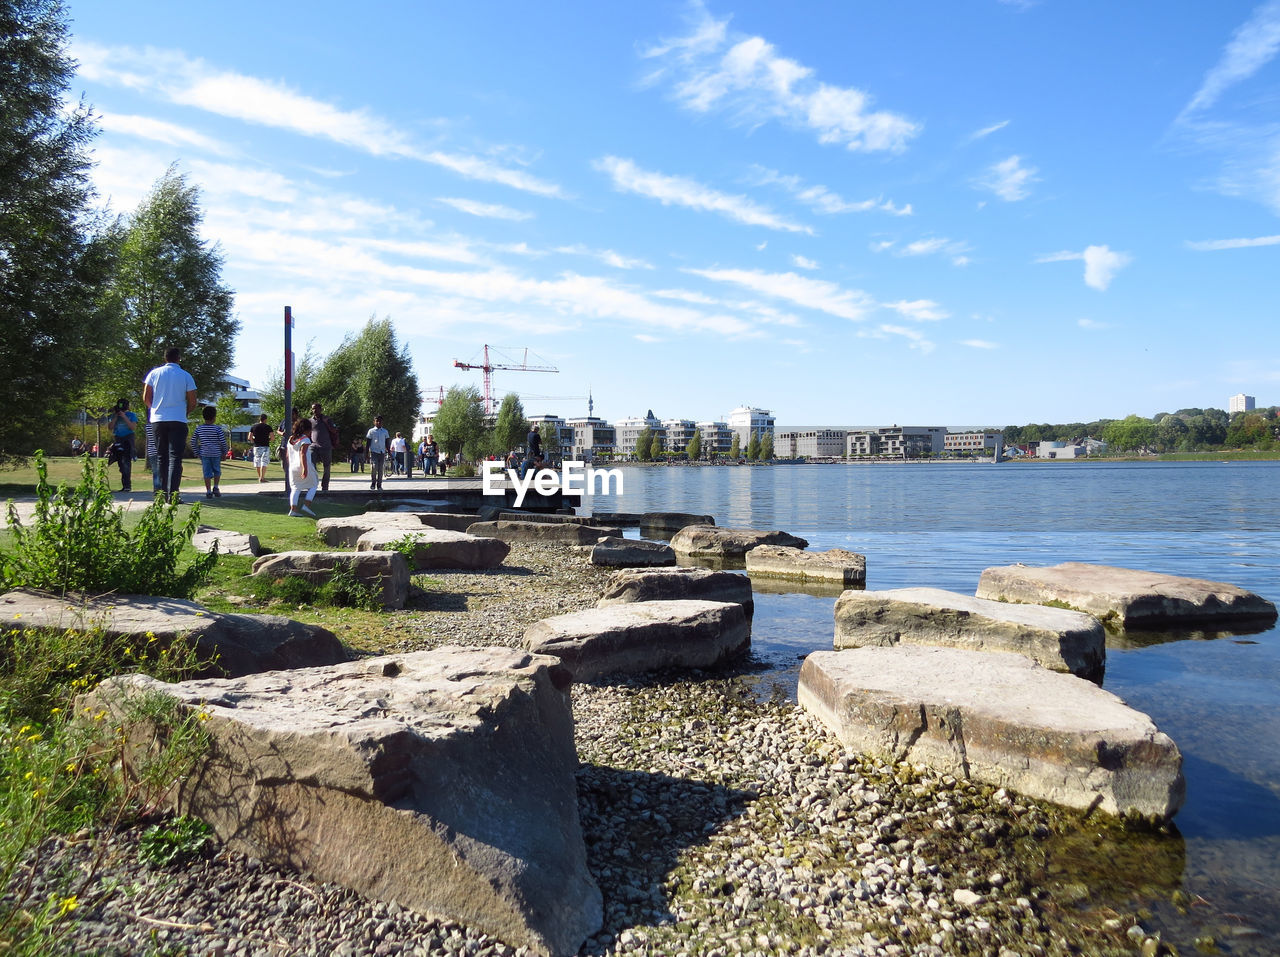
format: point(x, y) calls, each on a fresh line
point(1187, 430)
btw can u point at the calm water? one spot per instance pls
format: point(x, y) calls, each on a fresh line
point(1217, 696)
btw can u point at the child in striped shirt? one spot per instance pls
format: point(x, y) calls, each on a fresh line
point(210, 443)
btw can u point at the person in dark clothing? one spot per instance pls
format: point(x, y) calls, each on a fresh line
point(532, 452)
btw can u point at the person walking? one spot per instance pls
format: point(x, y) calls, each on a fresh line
point(322, 435)
point(377, 438)
point(169, 392)
point(432, 458)
point(260, 434)
point(210, 443)
point(124, 429)
point(303, 475)
point(532, 451)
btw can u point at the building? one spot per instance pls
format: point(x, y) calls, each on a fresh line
point(974, 443)
point(717, 438)
point(679, 433)
point(746, 422)
point(897, 441)
point(247, 399)
point(1241, 403)
point(628, 431)
point(810, 444)
point(563, 435)
point(592, 437)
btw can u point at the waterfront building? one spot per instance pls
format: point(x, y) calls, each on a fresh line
point(897, 441)
point(679, 433)
point(974, 442)
point(563, 434)
point(628, 431)
point(810, 444)
point(1241, 403)
point(247, 400)
point(717, 438)
point(592, 437)
point(746, 422)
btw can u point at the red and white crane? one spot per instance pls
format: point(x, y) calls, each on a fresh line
point(487, 367)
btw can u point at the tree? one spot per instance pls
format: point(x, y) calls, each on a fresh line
point(1130, 433)
point(511, 429)
point(231, 413)
point(644, 444)
point(166, 290)
point(459, 423)
point(766, 447)
point(369, 374)
point(735, 447)
point(1170, 432)
point(753, 447)
point(53, 259)
point(693, 450)
point(550, 441)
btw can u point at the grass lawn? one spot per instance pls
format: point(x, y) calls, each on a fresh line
point(67, 468)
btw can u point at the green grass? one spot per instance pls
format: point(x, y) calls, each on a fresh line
point(21, 480)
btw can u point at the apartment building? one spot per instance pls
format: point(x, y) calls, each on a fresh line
point(679, 433)
point(717, 438)
point(628, 431)
point(897, 441)
point(563, 433)
point(810, 444)
point(974, 442)
point(746, 422)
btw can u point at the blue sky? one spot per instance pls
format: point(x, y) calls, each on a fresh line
point(979, 213)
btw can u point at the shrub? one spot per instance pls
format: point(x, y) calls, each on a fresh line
point(78, 541)
point(175, 843)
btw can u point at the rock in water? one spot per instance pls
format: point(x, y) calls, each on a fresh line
point(837, 565)
point(709, 541)
point(442, 780)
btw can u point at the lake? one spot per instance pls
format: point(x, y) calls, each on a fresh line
point(940, 525)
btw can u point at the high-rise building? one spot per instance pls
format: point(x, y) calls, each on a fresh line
point(1240, 403)
point(746, 422)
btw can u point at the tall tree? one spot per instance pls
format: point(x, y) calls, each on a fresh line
point(735, 447)
point(510, 430)
point(52, 260)
point(693, 450)
point(166, 290)
point(644, 444)
point(766, 447)
point(753, 447)
point(369, 374)
point(459, 423)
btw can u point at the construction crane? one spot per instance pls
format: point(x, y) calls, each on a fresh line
point(487, 368)
point(434, 393)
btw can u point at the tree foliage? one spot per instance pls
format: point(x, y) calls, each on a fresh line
point(644, 445)
point(693, 451)
point(766, 447)
point(369, 374)
point(166, 290)
point(52, 257)
point(511, 429)
point(753, 447)
point(735, 447)
point(459, 424)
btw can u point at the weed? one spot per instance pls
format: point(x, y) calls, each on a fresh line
point(175, 843)
point(344, 590)
point(408, 545)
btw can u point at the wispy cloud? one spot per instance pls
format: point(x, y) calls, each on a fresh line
point(1251, 47)
point(1209, 245)
point(801, 262)
point(821, 199)
point(160, 131)
point(1091, 324)
point(979, 344)
point(921, 310)
point(682, 191)
point(744, 76)
point(988, 130)
point(930, 246)
point(606, 256)
point(817, 294)
point(915, 338)
point(1100, 264)
point(1008, 179)
point(486, 210)
point(172, 76)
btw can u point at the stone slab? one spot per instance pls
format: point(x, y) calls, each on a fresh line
point(439, 548)
point(709, 541)
point(836, 565)
point(345, 532)
point(229, 543)
point(441, 780)
point(670, 584)
point(566, 533)
point(999, 719)
point(387, 571)
point(236, 644)
point(631, 553)
point(673, 521)
point(1125, 596)
point(1055, 638)
point(642, 636)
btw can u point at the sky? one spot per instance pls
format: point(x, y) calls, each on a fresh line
point(965, 214)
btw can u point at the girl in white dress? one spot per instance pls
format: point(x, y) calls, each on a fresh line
point(302, 472)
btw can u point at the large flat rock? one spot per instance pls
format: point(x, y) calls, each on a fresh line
point(837, 565)
point(227, 543)
point(672, 521)
point(388, 572)
point(236, 644)
point(1125, 596)
point(439, 548)
point(448, 521)
point(631, 553)
point(442, 780)
point(644, 636)
point(565, 533)
point(1055, 638)
point(345, 532)
point(709, 541)
point(670, 584)
point(1000, 719)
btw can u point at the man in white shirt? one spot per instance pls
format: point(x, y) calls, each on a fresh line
point(377, 437)
point(398, 449)
point(169, 393)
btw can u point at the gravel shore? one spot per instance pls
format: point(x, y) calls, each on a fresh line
point(719, 819)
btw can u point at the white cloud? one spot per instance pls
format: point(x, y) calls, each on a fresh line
point(1209, 245)
point(821, 199)
point(1091, 324)
point(800, 262)
point(745, 77)
point(915, 338)
point(486, 210)
point(1252, 46)
point(681, 191)
point(925, 247)
point(988, 130)
point(643, 337)
point(921, 310)
point(172, 76)
point(1009, 179)
point(148, 128)
point(1100, 264)
point(606, 256)
point(815, 294)
point(979, 344)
